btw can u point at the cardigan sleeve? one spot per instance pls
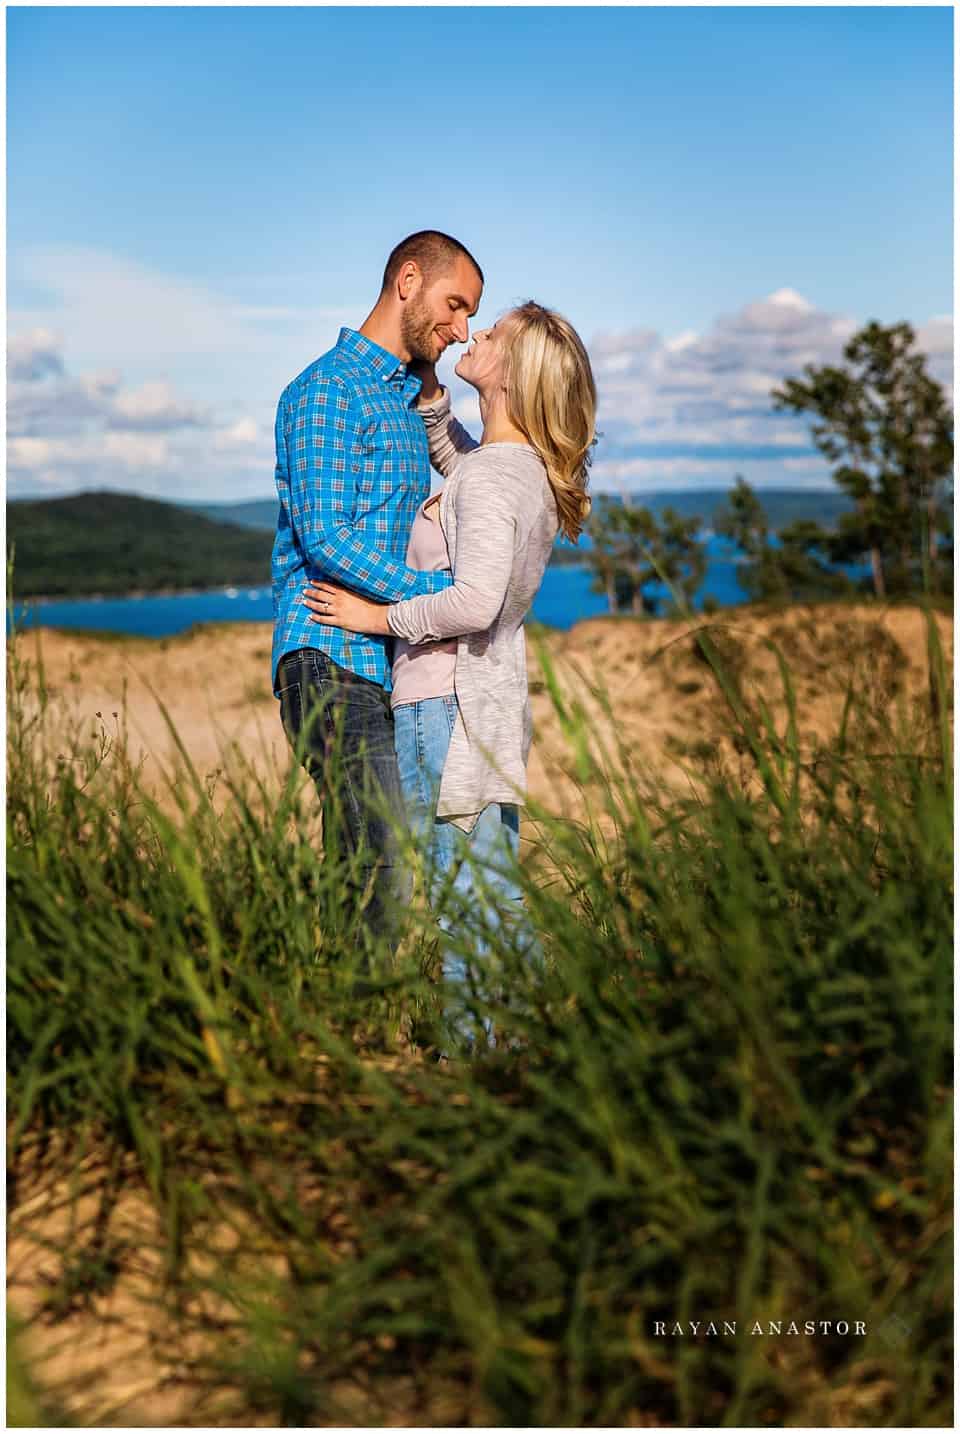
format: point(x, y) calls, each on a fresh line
point(447, 439)
point(487, 528)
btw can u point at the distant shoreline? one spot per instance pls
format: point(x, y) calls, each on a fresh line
point(135, 593)
point(48, 599)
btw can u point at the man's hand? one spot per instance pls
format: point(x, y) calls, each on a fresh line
point(335, 607)
point(430, 389)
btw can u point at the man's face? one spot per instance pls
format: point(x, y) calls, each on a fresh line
point(439, 313)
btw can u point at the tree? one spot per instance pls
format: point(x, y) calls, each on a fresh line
point(887, 428)
point(675, 554)
point(633, 552)
point(744, 520)
point(794, 567)
point(602, 555)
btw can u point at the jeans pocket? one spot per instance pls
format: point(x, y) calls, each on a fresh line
point(321, 668)
point(451, 708)
point(291, 711)
point(300, 688)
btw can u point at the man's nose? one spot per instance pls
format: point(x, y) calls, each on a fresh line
point(461, 328)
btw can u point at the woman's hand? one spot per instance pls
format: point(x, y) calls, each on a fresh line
point(431, 389)
point(336, 607)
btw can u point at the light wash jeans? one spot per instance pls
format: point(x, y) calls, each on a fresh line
point(464, 869)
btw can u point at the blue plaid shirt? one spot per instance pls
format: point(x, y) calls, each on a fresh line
point(352, 469)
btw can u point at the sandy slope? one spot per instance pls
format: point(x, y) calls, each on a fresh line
point(664, 703)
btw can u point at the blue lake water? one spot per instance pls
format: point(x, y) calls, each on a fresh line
point(564, 598)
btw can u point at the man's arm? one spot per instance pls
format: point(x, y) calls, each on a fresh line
point(322, 441)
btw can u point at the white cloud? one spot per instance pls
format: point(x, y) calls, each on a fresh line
point(639, 475)
point(690, 408)
point(682, 341)
point(54, 460)
point(154, 406)
point(114, 311)
point(43, 398)
point(795, 465)
point(135, 451)
point(30, 455)
point(241, 434)
point(33, 356)
point(935, 338)
point(158, 465)
point(707, 396)
point(199, 363)
point(68, 433)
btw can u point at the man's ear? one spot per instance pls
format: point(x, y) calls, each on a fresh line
point(409, 280)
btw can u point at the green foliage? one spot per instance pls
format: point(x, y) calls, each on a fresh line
point(634, 550)
point(116, 543)
point(886, 427)
point(797, 568)
point(25, 1409)
point(723, 1095)
point(782, 506)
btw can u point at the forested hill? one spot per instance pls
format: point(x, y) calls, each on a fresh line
point(118, 543)
point(782, 506)
point(259, 513)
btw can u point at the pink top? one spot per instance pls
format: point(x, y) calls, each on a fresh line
point(425, 670)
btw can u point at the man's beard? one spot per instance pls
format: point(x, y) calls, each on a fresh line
point(417, 331)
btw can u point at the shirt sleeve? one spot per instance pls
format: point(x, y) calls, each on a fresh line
point(487, 525)
point(323, 445)
point(447, 439)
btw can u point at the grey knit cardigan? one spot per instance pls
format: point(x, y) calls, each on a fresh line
point(499, 518)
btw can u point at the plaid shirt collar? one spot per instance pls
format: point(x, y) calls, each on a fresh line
point(365, 353)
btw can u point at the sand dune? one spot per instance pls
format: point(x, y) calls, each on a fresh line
point(646, 693)
point(663, 704)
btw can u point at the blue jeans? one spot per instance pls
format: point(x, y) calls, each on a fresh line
point(340, 724)
point(469, 876)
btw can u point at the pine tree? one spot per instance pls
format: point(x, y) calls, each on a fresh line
point(886, 427)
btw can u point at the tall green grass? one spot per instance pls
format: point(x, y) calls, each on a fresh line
point(724, 1096)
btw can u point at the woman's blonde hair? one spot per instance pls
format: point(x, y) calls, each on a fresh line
point(552, 398)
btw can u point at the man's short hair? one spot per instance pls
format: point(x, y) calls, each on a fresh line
point(430, 250)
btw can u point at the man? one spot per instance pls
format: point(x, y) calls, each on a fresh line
point(352, 469)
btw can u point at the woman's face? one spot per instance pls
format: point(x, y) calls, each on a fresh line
point(482, 364)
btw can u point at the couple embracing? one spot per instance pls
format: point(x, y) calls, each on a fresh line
point(398, 654)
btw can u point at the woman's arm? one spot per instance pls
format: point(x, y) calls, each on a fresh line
point(486, 532)
point(486, 538)
point(447, 439)
point(487, 521)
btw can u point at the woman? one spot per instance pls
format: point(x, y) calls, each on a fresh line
point(460, 702)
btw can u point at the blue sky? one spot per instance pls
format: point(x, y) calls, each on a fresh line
point(199, 197)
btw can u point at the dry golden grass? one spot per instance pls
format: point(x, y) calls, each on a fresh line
point(215, 685)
